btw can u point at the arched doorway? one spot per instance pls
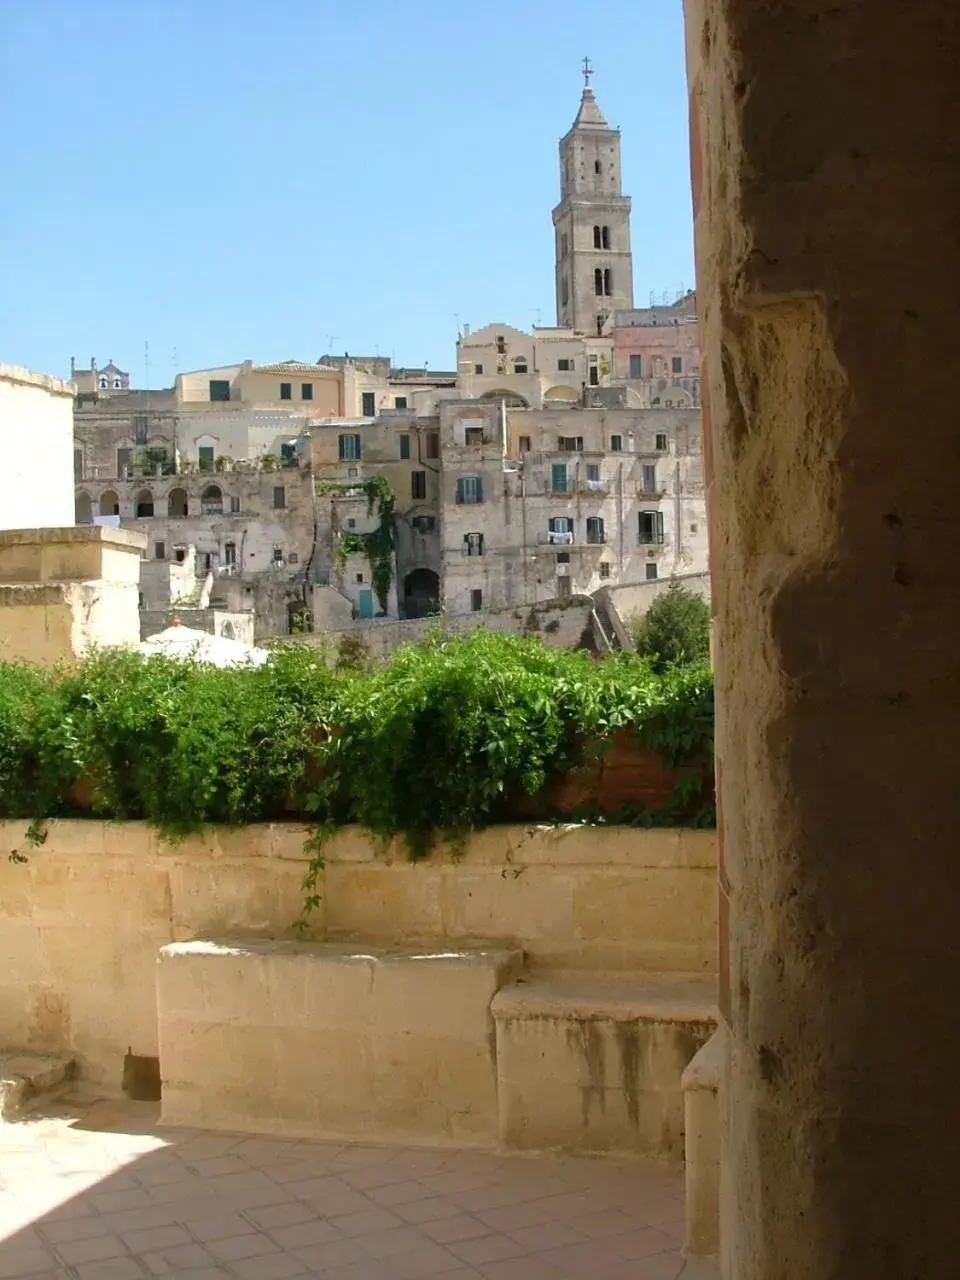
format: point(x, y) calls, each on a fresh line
point(421, 593)
point(143, 505)
point(83, 511)
point(211, 501)
point(109, 503)
point(177, 503)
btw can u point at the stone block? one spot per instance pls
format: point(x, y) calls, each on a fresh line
point(593, 1062)
point(701, 1083)
point(331, 1039)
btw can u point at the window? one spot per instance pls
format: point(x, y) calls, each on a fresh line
point(598, 282)
point(558, 477)
point(433, 444)
point(676, 364)
point(661, 442)
point(286, 390)
point(636, 366)
point(399, 402)
point(350, 448)
point(229, 553)
point(561, 529)
point(594, 376)
point(524, 444)
point(501, 345)
point(219, 389)
point(123, 461)
point(103, 384)
point(593, 473)
point(607, 281)
point(424, 524)
point(565, 366)
point(277, 557)
point(473, 544)
point(595, 533)
point(117, 384)
point(476, 600)
point(418, 484)
point(604, 569)
point(651, 572)
point(520, 365)
point(469, 489)
point(649, 481)
point(351, 523)
point(234, 505)
point(358, 577)
point(605, 237)
point(564, 291)
point(140, 429)
point(143, 505)
point(616, 444)
point(597, 167)
point(596, 237)
point(279, 497)
point(473, 437)
point(368, 405)
point(211, 501)
point(205, 457)
point(405, 445)
point(651, 528)
point(563, 557)
point(180, 554)
point(571, 444)
point(159, 551)
point(599, 326)
point(288, 455)
point(478, 368)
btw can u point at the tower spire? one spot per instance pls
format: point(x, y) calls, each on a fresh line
point(587, 73)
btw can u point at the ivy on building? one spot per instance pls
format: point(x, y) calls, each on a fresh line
point(379, 544)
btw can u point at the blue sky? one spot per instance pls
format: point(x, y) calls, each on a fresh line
point(234, 178)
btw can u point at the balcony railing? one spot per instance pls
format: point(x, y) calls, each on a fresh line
point(556, 539)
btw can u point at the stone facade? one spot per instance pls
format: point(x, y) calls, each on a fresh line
point(36, 489)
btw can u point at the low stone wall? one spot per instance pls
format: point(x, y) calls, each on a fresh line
point(83, 919)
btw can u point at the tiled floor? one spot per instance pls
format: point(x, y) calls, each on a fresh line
point(96, 1191)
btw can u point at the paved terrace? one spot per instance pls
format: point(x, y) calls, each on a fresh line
point(96, 1190)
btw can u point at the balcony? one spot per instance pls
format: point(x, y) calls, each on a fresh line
point(552, 539)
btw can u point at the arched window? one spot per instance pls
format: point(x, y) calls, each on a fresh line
point(117, 384)
point(84, 508)
point(103, 384)
point(596, 238)
point(211, 501)
point(520, 364)
point(607, 281)
point(143, 505)
point(177, 503)
point(598, 282)
point(605, 237)
point(109, 503)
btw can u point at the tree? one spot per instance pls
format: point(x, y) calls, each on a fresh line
point(676, 628)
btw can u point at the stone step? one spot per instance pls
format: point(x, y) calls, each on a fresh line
point(24, 1077)
point(332, 1039)
point(592, 1062)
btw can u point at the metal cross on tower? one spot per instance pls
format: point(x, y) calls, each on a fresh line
point(587, 73)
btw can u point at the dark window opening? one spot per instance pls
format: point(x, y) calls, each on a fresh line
point(607, 281)
point(286, 390)
point(349, 446)
point(478, 368)
point(399, 402)
point(501, 345)
point(473, 437)
point(676, 364)
point(418, 484)
point(597, 167)
point(661, 442)
point(571, 444)
point(368, 404)
point(596, 237)
point(159, 551)
point(616, 444)
point(650, 528)
point(140, 429)
point(279, 498)
point(473, 544)
point(636, 366)
point(520, 365)
point(404, 446)
point(433, 444)
point(143, 506)
point(205, 457)
point(524, 444)
point(604, 569)
point(476, 600)
point(565, 366)
point(605, 237)
point(424, 524)
point(219, 389)
point(651, 572)
point(595, 531)
point(598, 282)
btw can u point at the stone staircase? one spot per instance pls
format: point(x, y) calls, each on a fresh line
point(27, 1077)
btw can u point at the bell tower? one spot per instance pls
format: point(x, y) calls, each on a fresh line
point(594, 265)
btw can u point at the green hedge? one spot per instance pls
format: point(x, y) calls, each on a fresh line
point(435, 741)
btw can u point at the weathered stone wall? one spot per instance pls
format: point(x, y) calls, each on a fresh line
point(82, 921)
point(825, 189)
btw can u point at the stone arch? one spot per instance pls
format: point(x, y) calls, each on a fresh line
point(109, 503)
point(177, 505)
point(421, 593)
point(511, 399)
point(83, 508)
point(561, 393)
point(211, 500)
point(143, 505)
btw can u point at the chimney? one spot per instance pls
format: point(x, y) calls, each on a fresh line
point(73, 366)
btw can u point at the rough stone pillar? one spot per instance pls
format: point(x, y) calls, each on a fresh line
point(64, 591)
point(826, 185)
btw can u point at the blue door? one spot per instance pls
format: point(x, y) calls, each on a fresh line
point(365, 603)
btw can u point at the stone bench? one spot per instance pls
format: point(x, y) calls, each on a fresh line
point(332, 1039)
point(593, 1062)
point(701, 1086)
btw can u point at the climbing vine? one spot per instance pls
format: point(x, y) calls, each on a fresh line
point(378, 545)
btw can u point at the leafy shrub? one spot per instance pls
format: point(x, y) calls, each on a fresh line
point(676, 628)
point(435, 741)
